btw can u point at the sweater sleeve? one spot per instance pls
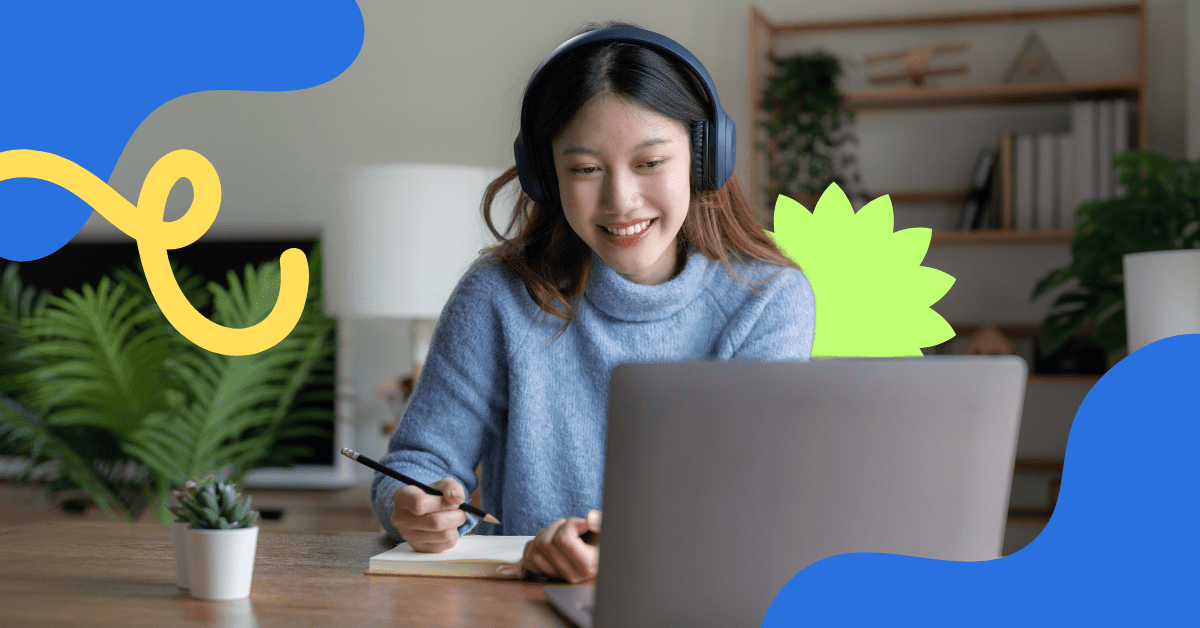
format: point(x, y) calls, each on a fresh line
point(779, 321)
point(458, 406)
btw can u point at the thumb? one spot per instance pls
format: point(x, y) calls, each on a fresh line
point(452, 491)
point(593, 520)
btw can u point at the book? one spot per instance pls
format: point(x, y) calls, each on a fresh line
point(1005, 180)
point(1025, 173)
point(1120, 138)
point(1104, 150)
point(989, 217)
point(1046, 181)
point(1083, 138)
point(1067, 188)
point(973, 208)
point(474, 556)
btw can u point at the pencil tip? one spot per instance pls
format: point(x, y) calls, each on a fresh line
point(491, 519)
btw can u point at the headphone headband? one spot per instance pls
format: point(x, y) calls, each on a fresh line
point(716, 136)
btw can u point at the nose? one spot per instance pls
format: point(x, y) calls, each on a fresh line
point(622, 192)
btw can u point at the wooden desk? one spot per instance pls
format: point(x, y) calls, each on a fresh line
point(123, 574)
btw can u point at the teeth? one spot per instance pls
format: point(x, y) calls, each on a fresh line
point(638, 228)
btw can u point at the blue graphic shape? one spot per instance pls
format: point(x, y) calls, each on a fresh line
point(79, 77)
point(1121, 549)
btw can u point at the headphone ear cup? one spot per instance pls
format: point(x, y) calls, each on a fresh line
point(724, 151)
point(699, 155)
point(525, 172)
point(549, 182)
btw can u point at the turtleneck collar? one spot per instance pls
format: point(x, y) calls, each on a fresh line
point(620, 298)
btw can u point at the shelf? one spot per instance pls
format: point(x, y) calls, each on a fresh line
point(1003, 236)
point(939, 197)
point(1063, 378)
point(1029, 516)
point(1038, 465)
point(1010, 330)
point(1102, 10)
point(983, 95)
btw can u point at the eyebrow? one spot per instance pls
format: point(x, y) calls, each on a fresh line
point(591, 151)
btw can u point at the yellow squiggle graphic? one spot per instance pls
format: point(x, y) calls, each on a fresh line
point(144, 223)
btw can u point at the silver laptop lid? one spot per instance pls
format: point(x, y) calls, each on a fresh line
point(725, 479)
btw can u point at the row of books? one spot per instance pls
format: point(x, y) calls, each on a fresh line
point(1039, 180)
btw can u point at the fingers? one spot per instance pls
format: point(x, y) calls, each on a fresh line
point(557, 551)
point(432, 542)
point(418, 502)
point(452, 492)
point(437, 521)
point(429, 522)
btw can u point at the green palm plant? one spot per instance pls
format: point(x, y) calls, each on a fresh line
point(233, 408)
point(116, 384)
point(18, 304)
point(92, 379)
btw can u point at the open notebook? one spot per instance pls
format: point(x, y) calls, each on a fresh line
point(474, 556)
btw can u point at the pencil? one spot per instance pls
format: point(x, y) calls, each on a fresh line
point(354, 455)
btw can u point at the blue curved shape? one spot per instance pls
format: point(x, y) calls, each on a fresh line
point(79, 79)
point(1120, 550)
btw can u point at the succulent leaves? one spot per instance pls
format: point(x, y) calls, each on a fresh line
point(214, 505)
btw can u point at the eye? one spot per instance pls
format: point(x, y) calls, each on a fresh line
point(655, 163)
point(585, 169)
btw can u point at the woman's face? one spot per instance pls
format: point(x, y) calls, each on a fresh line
point(624, 181)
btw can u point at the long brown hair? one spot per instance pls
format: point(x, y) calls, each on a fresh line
point(546, 254)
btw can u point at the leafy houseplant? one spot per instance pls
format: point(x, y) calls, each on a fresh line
point(221, 539)
point(1159, 211)
point(100, 383)
point(808, 128)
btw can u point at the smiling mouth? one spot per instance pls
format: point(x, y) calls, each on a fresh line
point(633, 229)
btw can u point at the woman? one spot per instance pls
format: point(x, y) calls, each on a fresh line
point(629, 231)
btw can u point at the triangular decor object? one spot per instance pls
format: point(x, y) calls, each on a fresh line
point(1033, 64)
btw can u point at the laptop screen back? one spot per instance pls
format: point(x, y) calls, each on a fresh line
point(725, 479)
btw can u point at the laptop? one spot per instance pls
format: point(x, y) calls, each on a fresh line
point(723, 480)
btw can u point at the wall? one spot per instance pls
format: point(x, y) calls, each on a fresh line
point(442, 82)
point(1192, 80)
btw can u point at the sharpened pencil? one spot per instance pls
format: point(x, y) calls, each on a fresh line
point(354, 455)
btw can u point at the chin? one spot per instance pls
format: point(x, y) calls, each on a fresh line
point(633, 262)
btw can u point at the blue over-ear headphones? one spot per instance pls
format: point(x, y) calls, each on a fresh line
point(714, 141)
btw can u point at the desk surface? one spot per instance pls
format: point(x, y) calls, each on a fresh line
point(123, 574)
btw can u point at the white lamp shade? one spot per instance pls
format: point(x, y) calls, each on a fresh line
point(402, 237)
point(1162, 295)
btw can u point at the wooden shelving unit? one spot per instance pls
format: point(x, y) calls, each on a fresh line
point(765, 33)
point(1063, 378)
point(1003, 236)
point(989, 95)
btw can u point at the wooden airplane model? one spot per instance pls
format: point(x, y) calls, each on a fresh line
point(915, 62)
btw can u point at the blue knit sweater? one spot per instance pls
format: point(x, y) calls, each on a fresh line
point(496, 390)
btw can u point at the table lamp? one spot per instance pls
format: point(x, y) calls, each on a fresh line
point(401, 238)
point(1162, 295)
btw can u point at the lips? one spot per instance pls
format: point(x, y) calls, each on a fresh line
point(630, 239)
point(630, 228)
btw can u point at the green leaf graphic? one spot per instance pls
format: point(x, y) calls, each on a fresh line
point(873, 296)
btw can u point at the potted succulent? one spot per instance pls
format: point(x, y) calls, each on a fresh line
point(179, 532)
point(1160, 211)
point(221, 539)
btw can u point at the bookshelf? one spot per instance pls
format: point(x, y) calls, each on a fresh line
point(765, 36)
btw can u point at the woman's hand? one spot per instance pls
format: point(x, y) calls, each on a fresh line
point(558, 552)
point(429, 523)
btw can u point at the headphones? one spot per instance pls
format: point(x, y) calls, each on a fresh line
point(714, 140)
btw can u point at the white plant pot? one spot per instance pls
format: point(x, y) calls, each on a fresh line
point(1162, 295)
point(179, 542)
point(221, 562)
